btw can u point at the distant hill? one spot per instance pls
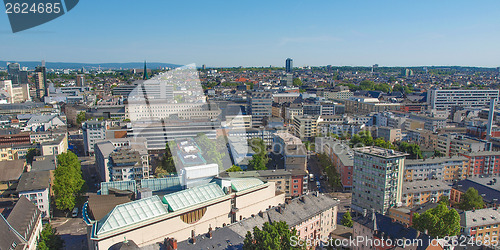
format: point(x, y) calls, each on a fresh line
point(73, 65)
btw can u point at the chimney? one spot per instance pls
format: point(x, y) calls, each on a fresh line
point(210, 232)
point(280, 210)
point(193, 238)
point(261, 214)
point(171, 243)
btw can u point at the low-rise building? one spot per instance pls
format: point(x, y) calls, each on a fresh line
point(454, 144)
point(314, 216)
point(22, 228)
point(122, 159)
point(56, 146)
point(292, 151)
point(342, 158)
point(10, 173)
point(483, 163)
point(481, 224)
point(389, 134)
point(35, 186)
point(488, 188)
point(439, 168)
point(292, 182)
point(419, 192)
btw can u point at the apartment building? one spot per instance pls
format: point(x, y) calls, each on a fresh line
point(292, 182)
point(342, 158)
point(365, 105)
point(440, 168)
point(335, 95)
point(122, 159)
point(92, 132)
point(454, 144)
point(483, 163)
point(417, 193)
point(292, 151)
point(35, 186)
point(487, 187)
point(378, 179)
point(481, 224)
point(305, 126)
point(260, 107)
point(21, 229)
point(447, 98)
point(389, 134)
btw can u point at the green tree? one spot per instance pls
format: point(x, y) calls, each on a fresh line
point(213, 150)
point(444, 200)
point(333, 176)
point(439, 221)
point(68, 181)
point(167, 164)
point(275, 235)
point(260, 158)
point(32, 152)
point(234, 168)
point(297, 82)
point(363, 138)
point(346, 219)
point(81, 117)
point(49, 239)
point(437, 153)
point(471, 200)
point(380, 142)
point(412, 149)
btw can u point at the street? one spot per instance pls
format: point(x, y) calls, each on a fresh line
point(72, 230)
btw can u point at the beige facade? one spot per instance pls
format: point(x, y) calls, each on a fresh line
point(215, 213)
point(389, 134)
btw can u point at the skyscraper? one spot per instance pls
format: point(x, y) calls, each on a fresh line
point(289, 65)
point(13, 69)
point(145, 74)
point(41, 81)
point(377, 180)
point(80, 80)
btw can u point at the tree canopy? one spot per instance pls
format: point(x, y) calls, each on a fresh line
point(49, 239)
point(68, 181)
point(363, 138)
point(213, 150)
point(412, 149)
point(275, 235)
point(471, 200)
point(439, 221)
point(260, 158)
point(167, 165)
point(346, 220)
point(234, 168)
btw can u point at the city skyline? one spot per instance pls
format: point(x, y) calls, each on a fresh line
point(220, 34)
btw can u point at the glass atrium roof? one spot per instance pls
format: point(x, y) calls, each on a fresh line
point(192, 196)
point(131, 213)
point(240, 184)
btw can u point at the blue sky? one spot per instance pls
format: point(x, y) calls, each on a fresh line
point(263, 33)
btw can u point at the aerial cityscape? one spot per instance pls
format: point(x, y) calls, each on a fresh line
point(379, 131)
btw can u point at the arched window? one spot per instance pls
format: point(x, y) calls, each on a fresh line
point(193, 216)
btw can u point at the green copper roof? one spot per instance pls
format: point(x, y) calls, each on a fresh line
point(193, 196)
point(240, 184)
point(131, 213)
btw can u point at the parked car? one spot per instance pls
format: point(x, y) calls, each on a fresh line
point(75, 212)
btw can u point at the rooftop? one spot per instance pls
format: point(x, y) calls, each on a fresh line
point(436, 160)
point(380, 152)
point(424, 186)
point(192, 196)
point(240, 184)
point(11, 170)
point(131, 213)
point(44, 163)
point(23, 217)
point(124, 156)
point(489, 194)
point(479, 217)
point(289, 139)
point(34, 181)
